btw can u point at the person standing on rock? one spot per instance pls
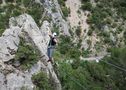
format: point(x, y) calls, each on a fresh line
point(51, 45)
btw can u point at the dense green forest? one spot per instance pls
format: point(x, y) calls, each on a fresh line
point(108, 74)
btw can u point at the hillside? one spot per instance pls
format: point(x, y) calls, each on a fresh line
point(90, 54)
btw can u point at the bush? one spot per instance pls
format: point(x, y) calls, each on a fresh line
point(9, 0)
point(96, 19)
point(26, 2)
point(90, 31)
point(41, 81)
point(57, 56)
point(64, 47)
point(1, 31)
point(36, 12)
point(86, 6)
point(66, 11)
point(79, 44)
point(108, 21)
point(85, 53)
point(67, 48)
point(26, 55)
point(62, 2)
point(120, 5)
point(74, 53)
point(64, 44)
point(78, 31)
point(107, 40)
point(16, 12)
point(71, 32)
point(47, 18)
point(65, 39)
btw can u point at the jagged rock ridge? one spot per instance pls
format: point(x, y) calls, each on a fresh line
point(11, 77)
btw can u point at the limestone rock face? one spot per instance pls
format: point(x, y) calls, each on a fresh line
point(15, 81)
point(9, 43)
point(57, 17)
point(38, 36)
point(21, 79)
point(12, 78)
point(2, 80)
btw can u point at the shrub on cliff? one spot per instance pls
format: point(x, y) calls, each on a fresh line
point(41, 81)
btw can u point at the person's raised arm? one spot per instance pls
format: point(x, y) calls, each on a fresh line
point(50, 34)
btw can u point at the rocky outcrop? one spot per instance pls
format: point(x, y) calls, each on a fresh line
point(57, 16)
point(9, 43)
point(12, 78)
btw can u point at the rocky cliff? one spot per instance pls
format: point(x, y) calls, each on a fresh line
point(24, 26)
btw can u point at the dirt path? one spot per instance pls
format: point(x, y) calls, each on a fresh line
point(97, 58)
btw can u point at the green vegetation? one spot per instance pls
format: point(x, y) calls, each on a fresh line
point(78, 31)
point(6, 12)
point(98, 18)
point(1, 31)
point(95, 76)
point(76, 75)
point(24, 88)
point(64, 44)
point(0, 1)
point(67, 49)
point(85, 53)
point(41, 81)
point(36, 12)
point(21, 6)
point(65, 10)
point(79, 43)
point(62, 2)
point(9, 0)
point(49, 19)
point(86, 6)
point(54, 9)
point(26, 55)
point(105, 13)
point(26, 3)
point(82, 75)
point(90, 32)
point(55, 29)
point(121, 7)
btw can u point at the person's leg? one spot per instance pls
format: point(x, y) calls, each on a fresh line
point(49, 53)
